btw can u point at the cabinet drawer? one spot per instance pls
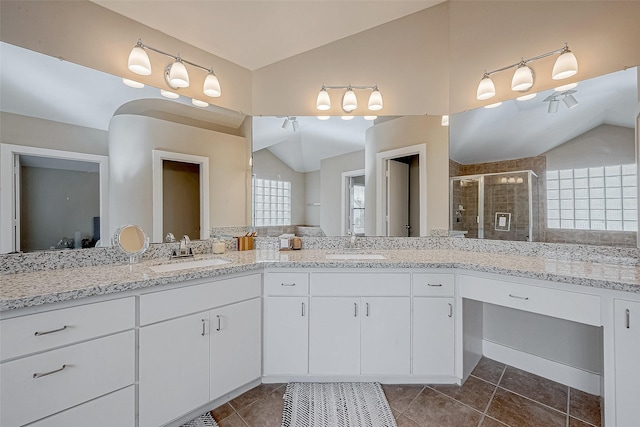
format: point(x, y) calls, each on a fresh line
point(578, 307)
point(115, 409)
point(158, 306)
point(43, 331)
point(37, 386)
point(360, 284)
point(433, 284)
point(292, 284)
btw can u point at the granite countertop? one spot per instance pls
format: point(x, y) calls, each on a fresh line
point(43, 287)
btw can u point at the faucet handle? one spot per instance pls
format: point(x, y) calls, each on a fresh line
point(170, 238)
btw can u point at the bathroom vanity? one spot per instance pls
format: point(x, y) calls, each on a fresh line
point(165, 346)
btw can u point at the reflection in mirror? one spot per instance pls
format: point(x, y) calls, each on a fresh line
point(131, 240)
point(583, 153)
point(51, 104)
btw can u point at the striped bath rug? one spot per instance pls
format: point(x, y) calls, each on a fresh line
point(336, 405)
point(204, 420)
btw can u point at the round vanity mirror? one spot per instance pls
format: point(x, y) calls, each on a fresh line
point(132, 241)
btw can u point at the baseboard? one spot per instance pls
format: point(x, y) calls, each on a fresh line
point(574, 377)
point(383, 379)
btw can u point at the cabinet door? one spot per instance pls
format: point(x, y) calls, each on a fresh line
point(385, 336)
point(286, 336)
point(433, 336)
point(627, 351)
point(334, 336)
point(174, 369)
point(235, 346)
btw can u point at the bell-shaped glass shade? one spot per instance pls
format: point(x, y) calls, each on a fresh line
point(199, 103)
point(211, 86)
point(323, 103)
point(375, 100)
point(349, 101)
point(486, 89)
point(178, 75)
point(167, 94)
point(347, 117)
point(139, 61)
point(566, 66)
point(522, 79)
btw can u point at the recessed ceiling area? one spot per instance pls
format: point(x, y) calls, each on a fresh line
point(254, 34)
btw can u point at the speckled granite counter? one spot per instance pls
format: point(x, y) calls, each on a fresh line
point(43, 287)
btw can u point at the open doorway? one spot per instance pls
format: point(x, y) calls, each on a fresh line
point(401, 202)
point(180, 195)
point(353, 211)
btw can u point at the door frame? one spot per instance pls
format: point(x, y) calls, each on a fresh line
point(158, 157)
point(381, 190)
point(345, 197)
point(8, 152)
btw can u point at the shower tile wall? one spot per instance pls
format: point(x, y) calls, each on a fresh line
point(465, 193)
point(510, 198)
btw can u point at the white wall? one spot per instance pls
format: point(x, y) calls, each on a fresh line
point(312, 197)
point(605, 145)
point(404, 132)
point(268, 166)
point(331, 170)
point(131, 141)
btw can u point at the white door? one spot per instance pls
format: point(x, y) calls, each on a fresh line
point(334, 336)
point(174, 369)
point(286, 349)
point(433, 336)
point(397, 199)
point(627, 354)
point(385, 336)
point(235, 350)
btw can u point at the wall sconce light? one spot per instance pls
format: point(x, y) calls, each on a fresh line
point(349, 99)
point(291, 121)
point(566, 96)
point(175, 74)
point(566, 65)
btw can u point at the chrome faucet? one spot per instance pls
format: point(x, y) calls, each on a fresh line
point(352, 239)
point(185, 248)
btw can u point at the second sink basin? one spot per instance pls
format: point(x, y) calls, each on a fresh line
point(355, 256)
point(185, 265)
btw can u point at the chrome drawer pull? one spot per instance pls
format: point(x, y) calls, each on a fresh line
point(51, 331)
point(355, 309)
point(367, 309)
point(302, 309)
point(219, 323)
point(288, 284)
point(203, 327)
point(628, 315)
point(450, 310)
point(518, 297)
point(435, 286)
point(37, 375)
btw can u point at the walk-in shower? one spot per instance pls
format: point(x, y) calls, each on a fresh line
point(498, 206)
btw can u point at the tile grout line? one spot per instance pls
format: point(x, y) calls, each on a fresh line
point(413, 400)
point(568, 404)
point(486, 409)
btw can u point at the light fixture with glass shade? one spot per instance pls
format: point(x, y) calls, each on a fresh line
point(324, 117)
point(199, 103)
point(175, 74)
point(347, 117)
point(168, 94)
point(370, 118)
point(566, 65)
point(349, 99)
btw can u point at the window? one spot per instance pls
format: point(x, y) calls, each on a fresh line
point(271, 202)
point(357, 210)
point(599, 198)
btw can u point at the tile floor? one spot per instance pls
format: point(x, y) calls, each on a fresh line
point(495, 395)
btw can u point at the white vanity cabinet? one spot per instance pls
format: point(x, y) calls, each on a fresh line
point(433, 317)
point(286, 306)
point(627, 365)
point(188, 356)
point(58, 359)
point(360, 324)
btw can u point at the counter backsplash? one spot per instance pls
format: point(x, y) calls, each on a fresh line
point(51, 260)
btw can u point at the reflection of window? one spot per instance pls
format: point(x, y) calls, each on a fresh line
point(272, 202)
point(600, 198)
point(357, 207)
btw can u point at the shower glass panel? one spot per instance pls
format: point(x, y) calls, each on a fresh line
point(499, 206)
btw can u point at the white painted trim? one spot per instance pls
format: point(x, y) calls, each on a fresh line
point(343, 203)
point(564, 374)
point(7, 153)
point(381, 196)
point(158, 157)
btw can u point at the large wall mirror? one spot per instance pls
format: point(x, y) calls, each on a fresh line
point(83, 154)
point(559, 167)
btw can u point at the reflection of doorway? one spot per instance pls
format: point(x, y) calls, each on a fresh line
point(186, 165)
point(50, 190)
point(353, 213)
point(180, 198)
point(395, 199)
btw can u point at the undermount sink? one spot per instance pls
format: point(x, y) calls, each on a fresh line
point(185, 265)
point(353, 256)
